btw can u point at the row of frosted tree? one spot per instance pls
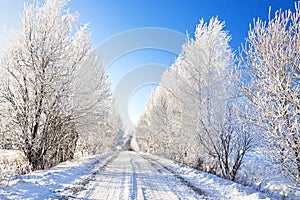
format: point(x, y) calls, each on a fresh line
point(212, 107)
point(55, 98)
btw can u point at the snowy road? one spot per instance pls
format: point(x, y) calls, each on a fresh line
point(125, 175)
point(134, 176)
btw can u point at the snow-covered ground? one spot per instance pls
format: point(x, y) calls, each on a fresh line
point(264, 176)
point(125, 175)
point(52, 183)
point(225, 189)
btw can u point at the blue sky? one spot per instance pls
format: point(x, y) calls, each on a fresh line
point(110, 17)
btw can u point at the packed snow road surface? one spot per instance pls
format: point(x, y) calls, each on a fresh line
point(124, 175)
point(133, 176)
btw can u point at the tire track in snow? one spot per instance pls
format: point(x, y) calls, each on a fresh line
point(133, 180)
point(112, 182)
point(79, 186)
point(108, 161)
point(101, 168)
point(156, 164)
point(157, 186)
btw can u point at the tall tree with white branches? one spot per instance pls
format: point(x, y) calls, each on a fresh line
point(205, 64)
point(37, 71)
point(96, 121)
point(270, 81)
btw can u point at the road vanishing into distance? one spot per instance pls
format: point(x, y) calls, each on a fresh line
point(130, 175)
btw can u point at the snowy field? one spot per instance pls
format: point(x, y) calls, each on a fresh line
point(125, 175)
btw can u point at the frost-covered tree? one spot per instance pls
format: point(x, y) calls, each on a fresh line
point(144, 131)
point(158, 130)
point(270, 77)
point(96, 120)
point(37, 71)
point(204, 63)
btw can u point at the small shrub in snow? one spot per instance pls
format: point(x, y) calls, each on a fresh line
point(12, 163)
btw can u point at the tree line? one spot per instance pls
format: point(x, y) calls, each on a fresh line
point(214, 106)
point(55, 97)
